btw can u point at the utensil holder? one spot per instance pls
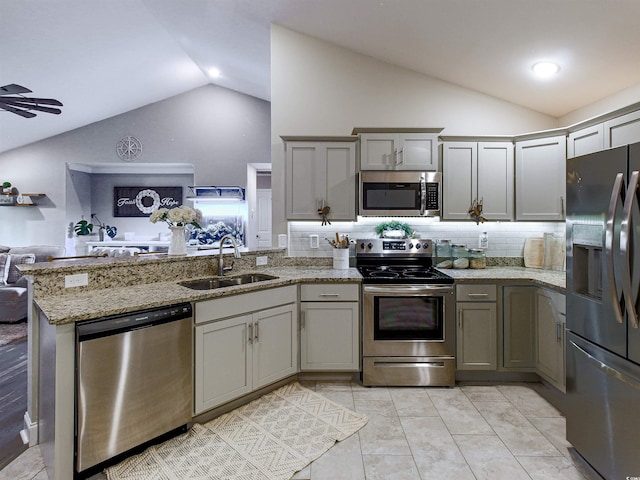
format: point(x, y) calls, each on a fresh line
point(340, 258)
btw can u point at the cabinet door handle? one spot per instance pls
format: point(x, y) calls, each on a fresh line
point(250, 330)
point(256, 331)
point(558, 332)
point(460, 319)
point(329, 295)
point(562, 205)
point(302, 320)
point(477, 294)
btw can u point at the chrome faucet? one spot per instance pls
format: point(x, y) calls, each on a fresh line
point(236, 254)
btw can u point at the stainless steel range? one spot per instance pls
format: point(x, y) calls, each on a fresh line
point(408, 315)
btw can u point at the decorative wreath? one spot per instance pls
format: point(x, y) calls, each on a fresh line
point(151, 194)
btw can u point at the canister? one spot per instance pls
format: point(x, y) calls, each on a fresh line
point(477, 258)
point(460, 256)
point(443, 254)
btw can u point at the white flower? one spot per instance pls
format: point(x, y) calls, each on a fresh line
point(179, 216)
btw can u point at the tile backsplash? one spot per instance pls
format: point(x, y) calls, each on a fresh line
point(506, 239)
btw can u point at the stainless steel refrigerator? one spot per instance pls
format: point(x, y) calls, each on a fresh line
point(603, 305)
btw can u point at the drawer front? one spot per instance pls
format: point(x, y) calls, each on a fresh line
point(476, 293)
point(330, 292)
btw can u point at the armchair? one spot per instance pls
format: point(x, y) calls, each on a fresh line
point(14, 302)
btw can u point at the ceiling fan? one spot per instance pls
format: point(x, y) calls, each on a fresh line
point(20, 105)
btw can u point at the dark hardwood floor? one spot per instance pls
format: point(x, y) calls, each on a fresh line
point(13, 399)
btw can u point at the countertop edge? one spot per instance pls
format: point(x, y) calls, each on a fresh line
point(113, 301)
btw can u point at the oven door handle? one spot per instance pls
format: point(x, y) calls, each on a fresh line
point(408, 289)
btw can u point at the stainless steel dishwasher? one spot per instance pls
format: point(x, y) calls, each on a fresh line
point(133, 381)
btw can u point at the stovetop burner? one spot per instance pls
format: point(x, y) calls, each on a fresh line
point(402, 261)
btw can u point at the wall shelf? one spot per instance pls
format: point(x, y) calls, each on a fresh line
point(20, 200)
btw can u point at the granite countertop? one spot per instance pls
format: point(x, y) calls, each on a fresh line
point(554, 279)
point(61, 309)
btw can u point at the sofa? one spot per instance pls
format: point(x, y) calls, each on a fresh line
point(14, 303)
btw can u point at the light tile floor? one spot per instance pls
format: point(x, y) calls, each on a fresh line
point(468, 432)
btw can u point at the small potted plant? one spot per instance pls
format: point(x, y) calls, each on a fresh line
point(394, 229)
point(6, 188)
point(83, 228)
point(103, 228)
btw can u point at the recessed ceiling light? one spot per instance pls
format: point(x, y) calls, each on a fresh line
point(214, 72)
point(545, 69)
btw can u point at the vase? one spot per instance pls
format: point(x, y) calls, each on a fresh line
point(178, 245)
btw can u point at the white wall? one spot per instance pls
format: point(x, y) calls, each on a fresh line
point(318, 88)
point(618, 100)
point(217, 130)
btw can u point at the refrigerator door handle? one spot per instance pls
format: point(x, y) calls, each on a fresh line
point(616, 192)
point(610, 371)
point(625, 248)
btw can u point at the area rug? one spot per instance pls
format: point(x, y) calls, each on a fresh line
point(270, 438)
point(12, 333)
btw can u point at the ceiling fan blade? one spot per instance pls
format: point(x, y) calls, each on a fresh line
point(22, 113)
point(39, 101)
point(29, 104)
point(13, 89)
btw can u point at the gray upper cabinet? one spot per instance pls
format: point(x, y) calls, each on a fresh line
point(614, 132)
point(398, 149)
point(586, 140)
point(320, 172)
point(477, 171)
point(622, 130)
point(540, 179)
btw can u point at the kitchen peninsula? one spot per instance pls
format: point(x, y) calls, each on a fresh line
point(121, 285)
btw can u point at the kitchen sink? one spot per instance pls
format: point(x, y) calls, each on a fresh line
point(219, 282)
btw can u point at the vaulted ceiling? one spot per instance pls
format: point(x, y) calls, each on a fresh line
point(104, 57)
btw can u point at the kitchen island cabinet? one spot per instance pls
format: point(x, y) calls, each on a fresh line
point(330, 327)
point(320, 172)
point(243, 343)
point(477, 171)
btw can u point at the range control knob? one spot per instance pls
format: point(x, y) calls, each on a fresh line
point(411, 245)
point(370, 245)
point(418, 246)
point(362, 246)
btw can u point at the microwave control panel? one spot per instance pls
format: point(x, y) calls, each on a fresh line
point(432, 196)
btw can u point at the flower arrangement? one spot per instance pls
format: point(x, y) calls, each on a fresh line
point(394, 225)
point(177, 217)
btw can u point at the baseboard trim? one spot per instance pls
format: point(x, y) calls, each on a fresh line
point(29, 434)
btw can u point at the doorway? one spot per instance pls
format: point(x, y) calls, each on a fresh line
point(259, 202)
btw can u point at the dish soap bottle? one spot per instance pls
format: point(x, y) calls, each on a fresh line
point(483, 240)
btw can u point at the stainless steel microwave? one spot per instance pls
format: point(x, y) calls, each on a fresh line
point(402, 193)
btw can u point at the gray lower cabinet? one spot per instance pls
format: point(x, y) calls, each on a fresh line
point(476, 341)
point(519, 328)
point(551, 321)
point(329, 327)
point(243, 342)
